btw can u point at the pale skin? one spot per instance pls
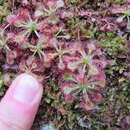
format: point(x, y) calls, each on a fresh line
point(20, 103)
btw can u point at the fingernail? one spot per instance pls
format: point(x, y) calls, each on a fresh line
point(26, 90)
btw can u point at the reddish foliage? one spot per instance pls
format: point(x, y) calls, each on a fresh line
point(33, 45)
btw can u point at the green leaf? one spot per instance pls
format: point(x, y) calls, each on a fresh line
point(128, 25)
point(68, 90)
point(69, 77)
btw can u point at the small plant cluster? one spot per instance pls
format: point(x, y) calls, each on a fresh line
point(30, 43)
point(84, 77)
point(111, 19)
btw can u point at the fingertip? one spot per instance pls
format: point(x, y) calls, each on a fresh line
point(23, 99)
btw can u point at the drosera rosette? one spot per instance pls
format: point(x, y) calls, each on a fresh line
point(26, 23)
point(86, 75)
point(79, 88)
point(49, 10)
point(86, 57)
point(61, 50)
point(32, 66)
point(39, 51)
point(22, 19)
point(42, 49)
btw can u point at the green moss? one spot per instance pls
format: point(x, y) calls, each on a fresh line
point(120, 2)
point(73, 22)
point(91, 33)
point(4, 9)
point(78, 29)
point(113, 44)
point(74, 1)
